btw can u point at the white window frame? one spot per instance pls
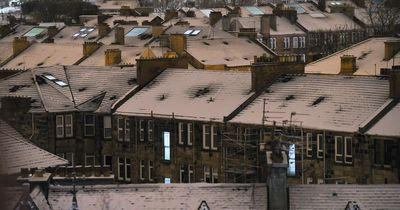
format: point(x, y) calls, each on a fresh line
point(286, 41)
point(107, 125)
point(181, 132)
point(150, 171)
point(127, 132)
point(336, 149)
point(348, 138)
point(105, 160)
point(128, 165)
point(190, 172)
point(213, 137)
point(302, 42)
point(181, 172)
point(141, 170)
point(121, 126)
point(309, 151)
point(207, 172)
point(295, 42)
point(141, 130)
point(86, 124)
point(206, 135)
point(91, 156)
point(60, 126)
point(150, 131)
point(166, 147)
point(272, 42)
point(214, 176)
point(320, 143)
point(120, 176)
point(190, 134)
point(70, 125)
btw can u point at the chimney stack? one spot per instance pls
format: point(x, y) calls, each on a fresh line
point(277, 164)
point(265, 26)
point(52, 31)
point(112, 57)
point(104, 29)
point(90, 47)
point(177, 43)
point(20, 44)
point(394, 82)
point(119, 35)
point(265, 70)
point(170, 14)
point(348, 64)
point(157, 30)
point(392, 47)
point(215, 17)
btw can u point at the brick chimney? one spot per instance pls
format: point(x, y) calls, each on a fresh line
point(394, 82)
point(267, 23)
point(392, 47)
point(20, 44)
point(215, 16)
point(104, 29)
point(112, 57)
point(177, 43)
point(52, 31)
point(277, 164)
point(119, 35)
point(348, 64)
point(90, 47)
point(170, 14)
point(265, 70)
point(156, 31)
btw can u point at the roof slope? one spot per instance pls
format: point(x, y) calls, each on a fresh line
point(388, 125)
point(327, 102)
point(191, 94)
point(369, 53)
point(162, 196)
point(336, 197)
point(17, 153)
point(84, 84)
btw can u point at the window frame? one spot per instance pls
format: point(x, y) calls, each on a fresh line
point(141, 170)
point(105, 161)
point(60, 126)
point(190, 134)
point(141, 130)
point(309, 149)
point(181, 132)
point(121, 131)
point(106, 119)
point(128, 169)
point(206, 136)
point(295, 42)
point(150, 130)
point(86, 125)
point(339, 155)
point(90, 155)
point(346, 139)
point(214, 137)
point(207, 174)
point(70, 125)
point(120, 174)
point(166, 147)
point(127, 130)
point(320, 143)
point(150, 170)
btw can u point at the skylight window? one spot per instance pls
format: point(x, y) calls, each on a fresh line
point(195, 32)
point(136, 31)
point(61, 83)
point(83, 32)
point(49, 77)
point(188, 32)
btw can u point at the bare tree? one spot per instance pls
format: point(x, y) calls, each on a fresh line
point(383, 15)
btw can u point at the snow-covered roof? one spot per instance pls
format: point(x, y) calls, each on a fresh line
point(16, 152)
point(326, 21)
point(388, 125)
point(326, 102)
point(309, 197)
point(369, 53)
point(190, 94)
point(86, 88)
point(162, 196)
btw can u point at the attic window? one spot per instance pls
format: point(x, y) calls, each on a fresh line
point(195, 32)
point(61, 83)
point(49, 77)
point(188, 32)
point(319, 100)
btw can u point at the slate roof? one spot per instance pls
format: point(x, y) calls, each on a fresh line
point(330, 21)
point(326, 102)
point(388, 125)
point(162, 196)
point(16, 153)
point(370, 54)
point(88, 88)
point(336, 197)
point(190, 94)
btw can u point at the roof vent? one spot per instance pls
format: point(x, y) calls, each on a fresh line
point(289, 97)
point(319, 100)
